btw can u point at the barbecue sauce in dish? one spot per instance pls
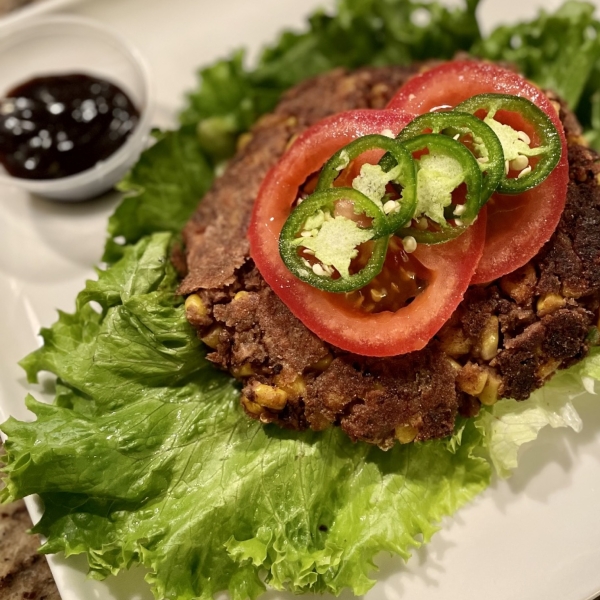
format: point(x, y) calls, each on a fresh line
point(59, 125)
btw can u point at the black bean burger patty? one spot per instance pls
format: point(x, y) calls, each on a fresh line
point(504, 340)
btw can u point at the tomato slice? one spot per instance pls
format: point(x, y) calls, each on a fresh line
point(449, 266)
point(517, 226)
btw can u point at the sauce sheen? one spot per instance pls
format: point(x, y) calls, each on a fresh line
point(59, 125)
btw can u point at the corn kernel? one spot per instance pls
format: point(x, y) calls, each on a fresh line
point(323, 363)
point(243, 140)
point(251, 407)
point(406, 434)
point(244, 371)
point(319, 422)
point(211, 339)
point(490, 337)
point(471, 379)
point(270, 397)
point(455, 365)
point(580, 140)
point(295, 388)
point(240, 295)
point(380, 89)
point(546, 369)
point(454, 342)
point(519, 283)
point(490, 393)
point(549, 303)
point(570, 292)
point(195, 307)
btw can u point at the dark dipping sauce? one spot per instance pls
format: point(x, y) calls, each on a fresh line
point(59, 125)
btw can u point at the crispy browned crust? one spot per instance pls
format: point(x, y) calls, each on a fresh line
point(24, 572)
point(504, 340)
point(215, 237)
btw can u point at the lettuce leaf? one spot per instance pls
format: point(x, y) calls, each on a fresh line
point(559, 51)
point(593, 133)
point(509, 424)
point(162, 189)
point(158, 465)
point(231, 97)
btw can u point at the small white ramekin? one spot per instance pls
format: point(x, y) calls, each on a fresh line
point(67, 44)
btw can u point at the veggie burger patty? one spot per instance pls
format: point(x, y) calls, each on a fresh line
point(504, 340)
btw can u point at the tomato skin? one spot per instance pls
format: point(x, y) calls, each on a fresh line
point(450, 83)
point(451, 265)
point(518, 226)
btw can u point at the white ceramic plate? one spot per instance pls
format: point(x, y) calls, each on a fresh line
point(534, 536)
point(36, 9)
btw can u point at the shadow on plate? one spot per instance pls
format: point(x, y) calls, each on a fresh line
point(73, 582)
point(545, 465)
point(48, 242)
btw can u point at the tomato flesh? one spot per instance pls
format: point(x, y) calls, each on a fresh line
point(518, 226)
point(401, 280)
point(448, 267)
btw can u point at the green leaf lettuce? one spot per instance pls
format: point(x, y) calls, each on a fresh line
point(166, 470)
point(560, 51)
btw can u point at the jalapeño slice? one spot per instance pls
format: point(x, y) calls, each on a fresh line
point(542, 143)
point(443, 166)
point(373, 179)
point(473, 133)
point(318, 246)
